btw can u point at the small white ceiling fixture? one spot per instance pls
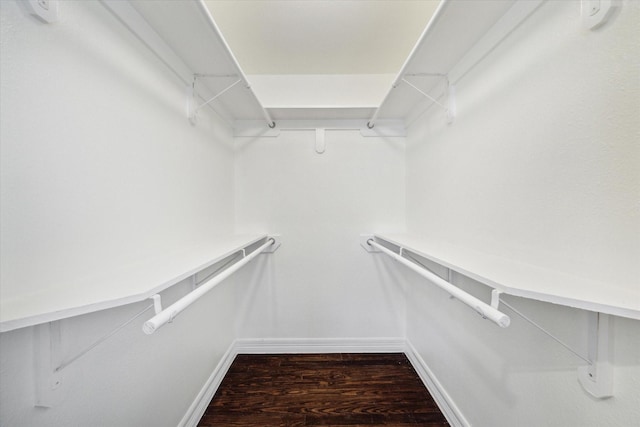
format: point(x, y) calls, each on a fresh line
point(321, 36)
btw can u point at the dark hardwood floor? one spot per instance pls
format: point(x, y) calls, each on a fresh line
point(322, 390)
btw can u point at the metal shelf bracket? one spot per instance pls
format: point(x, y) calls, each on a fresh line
point(449, 105)
point(49, 364)
point(192, 103)
point(597, 378)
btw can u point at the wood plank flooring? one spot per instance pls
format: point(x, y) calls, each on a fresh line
point(322, 390)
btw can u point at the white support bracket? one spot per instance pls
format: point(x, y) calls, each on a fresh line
point(597, 378)
point(449, 105)
point(49, 363)
point(452, 109)
point(192, 104)
point(495, 298)
point(364, 242)
point(321, 144)
point(157, 303)
point(46, 348)
point(274, 247)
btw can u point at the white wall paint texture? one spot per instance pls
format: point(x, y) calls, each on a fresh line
point(323, 284)
point(541, 167)
point(95, 149)
point(101, 168)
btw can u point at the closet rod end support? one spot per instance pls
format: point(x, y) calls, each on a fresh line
point(597, 378)
point(364, 242)
point(275, 238)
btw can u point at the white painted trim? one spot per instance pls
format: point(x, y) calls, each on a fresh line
point(199, 405)
point(450, 410)
point(319, 345)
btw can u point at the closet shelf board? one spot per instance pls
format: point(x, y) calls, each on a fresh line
point(124, 285)
point(524, 280)
point(448, 49)
point(184, 29)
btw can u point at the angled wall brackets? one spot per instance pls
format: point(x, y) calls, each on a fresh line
point(597, 378)
point(449, 105)
point(49, 363)
point(192, 104)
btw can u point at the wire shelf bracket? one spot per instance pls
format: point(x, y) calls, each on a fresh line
point(50, 361)
point(449, 105)
point(596, 377)
point(49, 364)
point(192, 102)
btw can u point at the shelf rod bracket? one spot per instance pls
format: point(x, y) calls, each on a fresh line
point(597, 378)
point(543, 330)
point(423, 93)
point(46, 343)
point(192, 109)
point(321, 144)
point(495, 298)
point(47, 350)
point(450, 107)
point(157, 303)
point(99, 341)
point(219, 94)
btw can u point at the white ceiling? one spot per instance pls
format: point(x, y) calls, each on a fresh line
point(321, 36)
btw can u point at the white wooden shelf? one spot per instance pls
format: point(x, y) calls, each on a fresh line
point(182, 35)
point(458, 37)
point(124, 286)
point(524, 280)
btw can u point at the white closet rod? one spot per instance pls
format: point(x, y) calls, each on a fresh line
point(483, 309)
point(436, 16)
point(167, 315)
point(212, 23)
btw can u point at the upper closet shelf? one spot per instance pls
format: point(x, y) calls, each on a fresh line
point(525, 280)
point(185, 37)
point(124, 285)
point(459, 35)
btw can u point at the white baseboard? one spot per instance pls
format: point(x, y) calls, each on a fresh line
point(323, 345)
point(199, 405)
point(451, 412)
point(320, 345)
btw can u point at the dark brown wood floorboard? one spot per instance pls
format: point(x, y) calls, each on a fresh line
point(322, 390)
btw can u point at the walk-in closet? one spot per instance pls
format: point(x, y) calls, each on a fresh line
point(442, 193)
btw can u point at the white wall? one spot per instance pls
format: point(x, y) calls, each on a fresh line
point(322, 284)
point(541, 166)
point(101, 168)
point(321, 90)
